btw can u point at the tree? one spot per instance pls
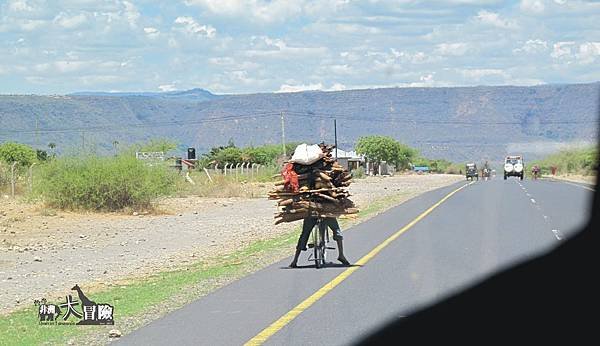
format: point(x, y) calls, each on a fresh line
point(52, 146)
point(16, 152)
point(42, 155)
point(383, 148)
point(231, 155)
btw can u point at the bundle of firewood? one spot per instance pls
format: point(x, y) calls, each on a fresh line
point(320, 191)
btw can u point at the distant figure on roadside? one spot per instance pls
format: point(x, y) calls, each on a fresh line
point(535, 172)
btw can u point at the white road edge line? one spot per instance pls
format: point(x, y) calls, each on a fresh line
point(532, 200)
point(578, 185)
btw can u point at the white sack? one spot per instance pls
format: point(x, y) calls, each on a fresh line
point(307, 154)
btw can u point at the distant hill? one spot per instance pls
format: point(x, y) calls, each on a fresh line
point(460, 124)
point(192, 94)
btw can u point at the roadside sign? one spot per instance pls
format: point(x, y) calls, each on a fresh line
point(150, 155)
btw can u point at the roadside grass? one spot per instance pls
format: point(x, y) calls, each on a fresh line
point(142, 300)
point(231, 185)
point(102, 183)
point(576, 161)
point(136, 298)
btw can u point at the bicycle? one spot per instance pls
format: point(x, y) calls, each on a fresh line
point(320, 236)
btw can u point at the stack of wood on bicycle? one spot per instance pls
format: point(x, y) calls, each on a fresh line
point(314, 184)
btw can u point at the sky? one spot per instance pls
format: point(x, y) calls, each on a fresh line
point(233, 46)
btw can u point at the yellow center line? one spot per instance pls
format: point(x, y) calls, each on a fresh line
point(266, 333)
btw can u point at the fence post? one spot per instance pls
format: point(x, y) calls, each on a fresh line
point(12, 179)
point(31, 177)
point(208, 175)
point(236, 170)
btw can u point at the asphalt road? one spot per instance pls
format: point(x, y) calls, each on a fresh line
point(480, 229)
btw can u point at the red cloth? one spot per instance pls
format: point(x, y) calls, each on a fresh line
point(290, 178)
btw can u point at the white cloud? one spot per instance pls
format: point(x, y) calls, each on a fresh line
point(258, 10)
point(27, 25)
point(19, 6)
point(404, 57)
point(532, 6)
point(341, 69)
point(242, 76)
point(104, 79)
point(532, 47)
point(494, 19)
point(477, 74)
point(337, 87)
point(131, 13)
point(264, 46)
point(151, 32)
point(562, 50)
point(455, 49)
point(167, 87)
point(285, 88)
point(292, 88)
point(588, 52)
point(191, 27)
point(70, 22)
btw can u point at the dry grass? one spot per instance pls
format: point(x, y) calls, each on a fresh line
point(225, 186)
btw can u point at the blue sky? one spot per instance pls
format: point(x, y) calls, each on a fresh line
point(231, 46)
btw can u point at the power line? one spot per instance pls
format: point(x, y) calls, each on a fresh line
point(329, 116)
point(141, 125)
point(436, 122)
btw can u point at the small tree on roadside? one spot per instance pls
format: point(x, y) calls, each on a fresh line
point(52, 146)
point(11, 152)
point(42, 155)
point(383, 148)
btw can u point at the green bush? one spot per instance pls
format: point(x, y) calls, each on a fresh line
point(570, 161)
point(358, 173)
point(102, 183)
point(265, 155)
point(11, 152)
point(383, 148)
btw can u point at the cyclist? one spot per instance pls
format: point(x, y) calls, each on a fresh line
point(535, 171)
point(307, 227)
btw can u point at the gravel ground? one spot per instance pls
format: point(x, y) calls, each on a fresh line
point(587, 179)
point(45, 252)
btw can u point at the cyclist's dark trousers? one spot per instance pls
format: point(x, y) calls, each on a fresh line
point(308, 225)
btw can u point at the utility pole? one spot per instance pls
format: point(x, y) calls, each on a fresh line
point(37, 132)
point(335, 135)
point(283, 135)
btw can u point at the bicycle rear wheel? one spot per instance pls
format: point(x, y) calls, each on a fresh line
point(319, 246)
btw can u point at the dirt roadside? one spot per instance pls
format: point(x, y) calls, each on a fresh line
point(586, 179)
point(43, 251)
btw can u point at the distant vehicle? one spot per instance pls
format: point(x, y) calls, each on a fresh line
point(471, 171)
point(514, 167)
point(486, 173)
point(421, 169)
